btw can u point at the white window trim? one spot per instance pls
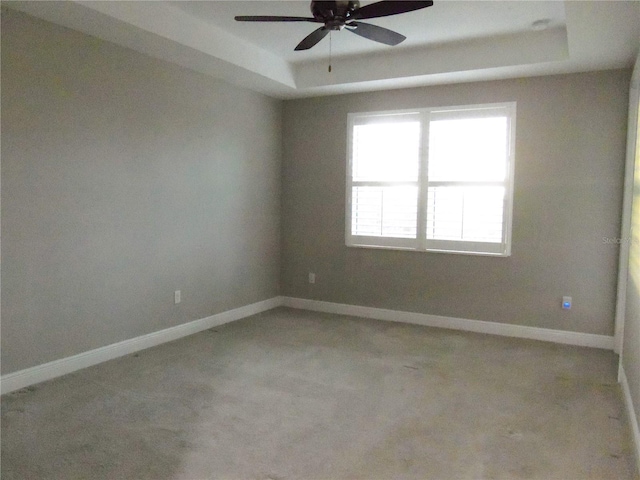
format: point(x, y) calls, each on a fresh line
point(421, 243)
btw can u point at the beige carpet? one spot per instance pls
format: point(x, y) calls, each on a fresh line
point(290, 394)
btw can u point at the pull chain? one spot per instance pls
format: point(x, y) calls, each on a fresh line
point(329, 52)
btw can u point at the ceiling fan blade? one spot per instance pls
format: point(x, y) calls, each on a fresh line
point(244, 18)
point(375, 33)
point(313, 38)
point(384, 9)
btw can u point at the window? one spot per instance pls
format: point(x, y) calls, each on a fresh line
point(432, 179)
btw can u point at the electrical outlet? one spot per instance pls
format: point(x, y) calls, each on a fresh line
point(177, 297)
point(312, 277)
point(566, 303)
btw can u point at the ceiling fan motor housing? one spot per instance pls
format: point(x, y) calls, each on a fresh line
point(334, 14)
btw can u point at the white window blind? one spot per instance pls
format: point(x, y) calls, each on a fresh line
point(432, 179)
point(384, 180)
point(387, 211)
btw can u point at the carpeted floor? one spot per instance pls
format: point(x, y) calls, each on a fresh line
point(290, 394)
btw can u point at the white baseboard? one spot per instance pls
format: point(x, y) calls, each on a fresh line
point(40, 373)
point(478, 326)
point(47, 371)
point(631, 413)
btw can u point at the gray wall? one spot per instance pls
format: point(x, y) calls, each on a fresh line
point(570, 152)
point(631, 344)
point(125, 178)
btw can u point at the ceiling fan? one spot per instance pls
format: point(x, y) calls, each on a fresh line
point(338, 15)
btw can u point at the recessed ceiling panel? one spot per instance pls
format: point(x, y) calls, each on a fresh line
point(445, 21)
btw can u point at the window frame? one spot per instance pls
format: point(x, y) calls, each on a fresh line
point(421, 243)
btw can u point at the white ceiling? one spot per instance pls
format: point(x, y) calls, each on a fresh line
point(452, 41)
point(443, 22)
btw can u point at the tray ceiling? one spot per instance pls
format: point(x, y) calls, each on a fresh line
point(452, 41)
